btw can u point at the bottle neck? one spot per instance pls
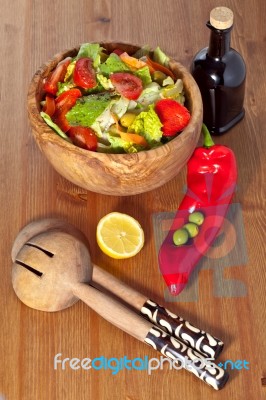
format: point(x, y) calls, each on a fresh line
point(219, 43)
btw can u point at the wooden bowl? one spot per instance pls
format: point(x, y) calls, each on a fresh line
point(115, 174)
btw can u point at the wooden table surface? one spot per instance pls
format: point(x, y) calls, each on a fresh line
point(228, 301)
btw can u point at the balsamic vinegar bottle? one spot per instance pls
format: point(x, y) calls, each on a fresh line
point(220, 73)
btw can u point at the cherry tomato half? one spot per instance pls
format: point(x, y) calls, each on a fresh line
point(84, 75)
point(83, 137)
point(57, 75)
point(126, 84)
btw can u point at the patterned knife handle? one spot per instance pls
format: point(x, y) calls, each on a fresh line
point(176, 326)
point(190, 359)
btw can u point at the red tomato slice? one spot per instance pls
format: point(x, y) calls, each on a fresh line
point(57, 75)
point(63, 103)
point(126, 84)
point(173, 115)
point(83, 137)
point(66, 100)
point(84, 75)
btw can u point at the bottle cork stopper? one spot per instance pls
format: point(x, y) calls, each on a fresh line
point(221, 18)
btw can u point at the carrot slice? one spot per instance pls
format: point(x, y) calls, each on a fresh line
point(132, 61)
point(130, 137)
point(158, 67)
point(134, 138)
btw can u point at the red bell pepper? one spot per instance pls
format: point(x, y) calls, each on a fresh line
point(57, 75)
point(211, 183)
point(49, 107)
point(63, 103)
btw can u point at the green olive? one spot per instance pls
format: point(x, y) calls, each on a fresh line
point(127, 119)
point(196, 217)
point(180, 237)
point(192, 229)
point(159, 77)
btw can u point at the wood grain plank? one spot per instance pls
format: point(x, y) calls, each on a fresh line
point(32, 32)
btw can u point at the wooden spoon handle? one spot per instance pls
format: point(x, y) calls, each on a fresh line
point(171, 323)
point(113, 311)
point(106, 281)
point(131, 323)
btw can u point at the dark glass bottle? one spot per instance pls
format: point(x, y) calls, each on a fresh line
point(220, 73)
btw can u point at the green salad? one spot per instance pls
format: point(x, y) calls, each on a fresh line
point(115, 102)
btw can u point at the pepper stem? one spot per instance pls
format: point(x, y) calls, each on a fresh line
point(207, 139)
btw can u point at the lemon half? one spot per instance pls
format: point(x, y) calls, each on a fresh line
point(119, 235)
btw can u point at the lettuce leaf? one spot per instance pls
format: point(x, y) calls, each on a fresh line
point(68, 80)
point(103, 122)
point(105, 82)
point(149, 95)
point(168, 81)
point(52, 125)
point(119, 107)
point(148, 124)
point(113, 64)
point(160, 57)
point(87, 109)
point(142, 52)
point(144, 74)
point(70, 70)
point(91, 50)
point(64, 86)
point(174, 91)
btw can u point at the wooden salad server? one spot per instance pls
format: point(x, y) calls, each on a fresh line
point(176, 326)
point(52, 270)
